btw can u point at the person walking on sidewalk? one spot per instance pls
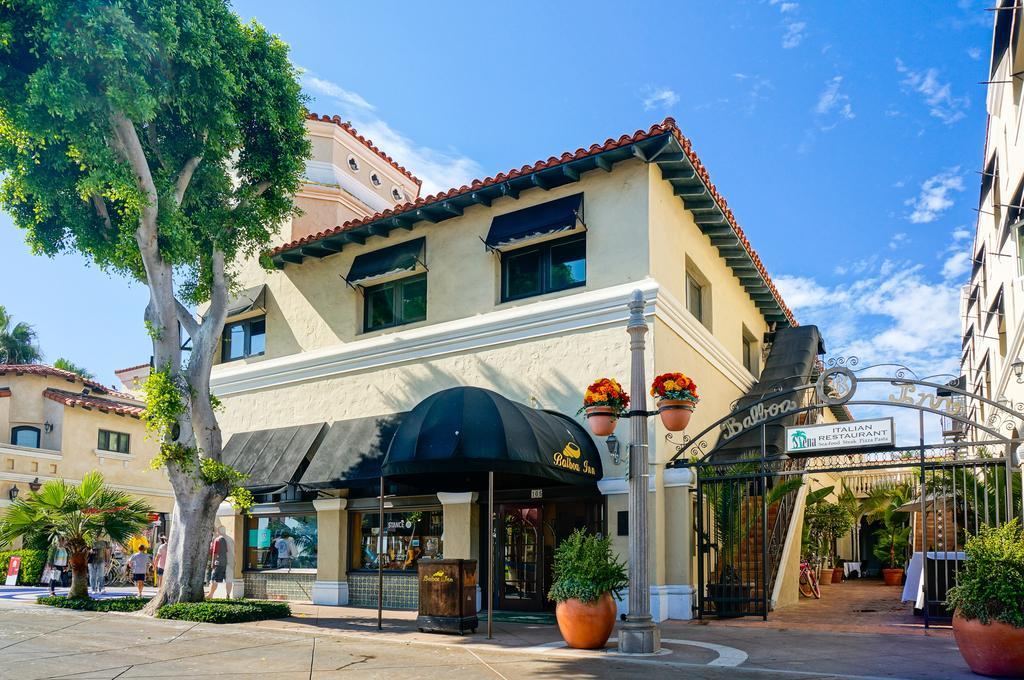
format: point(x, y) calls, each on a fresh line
point(159, 560)
point(218, 562)
point(97, 561)
point(140, 562)
point(56, 560)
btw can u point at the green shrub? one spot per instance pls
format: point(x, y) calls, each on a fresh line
point(585, 569)
point(113, 604)
point(990, 584)
point(32, 563)
point(225, 611)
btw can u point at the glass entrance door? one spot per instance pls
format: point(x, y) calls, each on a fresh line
point(521, 551)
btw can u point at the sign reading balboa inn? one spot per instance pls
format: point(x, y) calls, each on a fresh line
point(856, 434)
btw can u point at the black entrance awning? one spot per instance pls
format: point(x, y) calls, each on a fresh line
point(401, 257)
point(451, 439)
point(790, 363)
point(272, 458)
point(352, 452)
point(539, 220)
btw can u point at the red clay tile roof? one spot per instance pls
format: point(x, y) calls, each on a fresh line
point(666, 126)
point(119, 371)
point(90, 401)
point(347, 127)
point(50, 371)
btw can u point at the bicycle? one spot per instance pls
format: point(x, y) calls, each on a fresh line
point(808, 581)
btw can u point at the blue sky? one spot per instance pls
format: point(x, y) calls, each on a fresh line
point(846, 137)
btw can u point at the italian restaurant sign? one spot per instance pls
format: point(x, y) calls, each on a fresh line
point(828, 437)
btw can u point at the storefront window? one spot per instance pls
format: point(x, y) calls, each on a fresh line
point(280, 542)
point(409, 535)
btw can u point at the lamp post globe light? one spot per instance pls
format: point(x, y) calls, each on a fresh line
point(639, 634)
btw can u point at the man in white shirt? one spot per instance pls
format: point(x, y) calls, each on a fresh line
point(139, 563)
point(284, 552)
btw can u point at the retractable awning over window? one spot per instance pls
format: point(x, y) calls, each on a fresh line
point(402, 257)
point(351, 453)
point(563, 214)
point(272, 458)
point(248, 300)
point(451, 439)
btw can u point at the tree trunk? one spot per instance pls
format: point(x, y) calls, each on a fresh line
point(78, 562)
point(188, 548)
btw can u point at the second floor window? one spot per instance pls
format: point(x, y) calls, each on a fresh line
point(695, 298)
point(25, 435)
point(395, 303)
point(544, 268)
point(119, 442)
point(246, 338)
point(749, 354)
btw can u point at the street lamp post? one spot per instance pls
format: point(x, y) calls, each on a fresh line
point(639, 634)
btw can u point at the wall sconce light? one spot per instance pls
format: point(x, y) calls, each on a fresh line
point(48, 427)
point(1018, 369)
point(34, 485)
point(13, 493)
point(613, 448)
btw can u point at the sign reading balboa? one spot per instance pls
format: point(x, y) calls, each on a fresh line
point(856, 434)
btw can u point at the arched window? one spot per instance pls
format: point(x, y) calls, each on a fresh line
point(353, 164)
point(375, 179)
point(25, 435)
point(396, 193)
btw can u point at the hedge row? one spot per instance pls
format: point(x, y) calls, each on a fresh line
point(112, 604)
point(32, 563)
point(210, 611)
point(225, 611)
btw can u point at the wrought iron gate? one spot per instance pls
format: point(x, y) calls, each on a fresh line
point(962, 472)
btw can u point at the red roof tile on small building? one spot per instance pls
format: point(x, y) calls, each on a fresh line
point(93, 402)
point(119, 371)
point(50, 371)
point(347, 127)
point(666, 126)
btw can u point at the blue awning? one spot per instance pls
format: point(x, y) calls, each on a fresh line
point(539, 220)
point(397, 258)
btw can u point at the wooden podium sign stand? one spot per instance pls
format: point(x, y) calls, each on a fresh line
point(447, 596)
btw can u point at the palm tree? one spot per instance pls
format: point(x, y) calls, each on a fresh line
point(17, 341)
point(70, 366)
point(77, 515)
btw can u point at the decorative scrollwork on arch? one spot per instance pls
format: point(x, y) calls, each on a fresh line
point(839, 362)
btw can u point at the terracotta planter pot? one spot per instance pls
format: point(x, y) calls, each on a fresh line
point(995, 649)
point(602, 420)
point(892, 577)
point(824, 576)
point(837, 575)
point(675, 413)
point(586, 625)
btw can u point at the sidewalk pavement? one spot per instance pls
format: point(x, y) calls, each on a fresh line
point(39, 642)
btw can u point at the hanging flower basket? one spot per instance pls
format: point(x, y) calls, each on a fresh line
point(677, 397)
point(604, 403)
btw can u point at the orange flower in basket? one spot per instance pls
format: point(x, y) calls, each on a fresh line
point(674, 386)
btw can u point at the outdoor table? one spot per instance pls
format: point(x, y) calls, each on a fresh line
point(913, 589)
point(850, 567)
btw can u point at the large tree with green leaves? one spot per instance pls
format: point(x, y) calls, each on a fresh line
point(17, 341)
point(163, 139)
point(77, 516)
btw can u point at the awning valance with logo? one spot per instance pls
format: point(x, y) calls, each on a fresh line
point(453, 438)
point(562, 214)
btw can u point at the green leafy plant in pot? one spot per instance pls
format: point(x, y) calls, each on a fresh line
point(988, 599)
point(586, 577)
point(828, 523)
point(893, 537)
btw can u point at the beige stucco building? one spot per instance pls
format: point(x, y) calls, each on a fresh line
point(55, 424)
point(516, 283)
point(992, 305)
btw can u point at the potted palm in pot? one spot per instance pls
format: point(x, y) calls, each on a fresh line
point(893, 537)
point(604, 403)
point(988, 602)
point(586, 577)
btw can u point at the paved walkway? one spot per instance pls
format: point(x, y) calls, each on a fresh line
point(324, 642)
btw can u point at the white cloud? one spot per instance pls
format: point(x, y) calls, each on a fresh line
point(938, 96)
point(898, 240)
point(974, 53)
point(934, 198)
point(833, 104)
point(794, 34)
point(660, 97)
point(961, 234)
point(438, 169)
point(956, 265)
